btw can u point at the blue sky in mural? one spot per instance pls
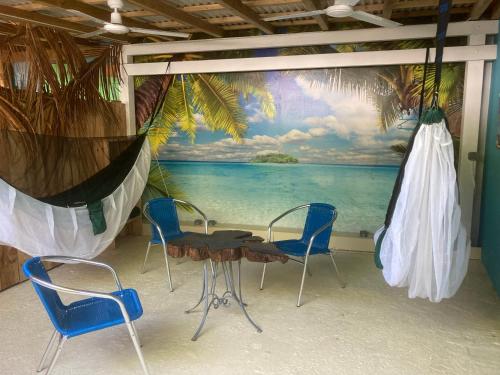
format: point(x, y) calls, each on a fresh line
point(314, 124)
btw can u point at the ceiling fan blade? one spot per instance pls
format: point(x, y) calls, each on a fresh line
point(92, 34)
point(81, 14)
point(351, 3)
point(372, 18)
point(295, 15)
point(159, 32)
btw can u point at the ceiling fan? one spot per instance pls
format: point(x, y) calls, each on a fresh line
point(116, 25)
point(341, 8)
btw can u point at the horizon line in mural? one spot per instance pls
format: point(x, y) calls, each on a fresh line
point(171, 161)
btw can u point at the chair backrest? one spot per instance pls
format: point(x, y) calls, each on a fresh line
point(318, 215)
point(49, 297)
point(164, 212)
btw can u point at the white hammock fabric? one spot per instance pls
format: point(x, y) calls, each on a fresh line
point(426, 247)
point(39, 229)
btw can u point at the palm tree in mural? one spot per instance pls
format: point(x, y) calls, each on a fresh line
point(216, 99)
point(393, 89)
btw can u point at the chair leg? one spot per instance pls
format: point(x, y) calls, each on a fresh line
point(137, 346)
point(339, 277)
point(299, 299)
point(50, 345)
point(168, 267)
point(146, 258)
point(263, 276)
point(136, 334)
point(308, 270)
point(62, 340)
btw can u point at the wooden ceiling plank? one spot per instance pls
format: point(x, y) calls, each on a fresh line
point(479, 9)
point(41, 19)
point(247, 14)
point(172, 12)
point(387, 10)
point(321, 19)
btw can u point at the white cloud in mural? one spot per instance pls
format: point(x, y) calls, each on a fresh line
point(352, 115)
point(318, 132)
point(263, 139)
point(294, 135)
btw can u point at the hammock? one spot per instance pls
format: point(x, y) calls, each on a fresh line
point(63, 192)
point(423, 244)
point(81, 220)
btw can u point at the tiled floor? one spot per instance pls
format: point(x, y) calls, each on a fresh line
point(366, 328)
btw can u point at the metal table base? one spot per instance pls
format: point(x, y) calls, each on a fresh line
point(210, 297)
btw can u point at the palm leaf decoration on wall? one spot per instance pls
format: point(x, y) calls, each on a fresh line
point(47, 85)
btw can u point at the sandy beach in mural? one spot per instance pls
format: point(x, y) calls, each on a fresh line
point(332, 150)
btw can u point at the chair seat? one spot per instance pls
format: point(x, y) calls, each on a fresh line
point(93, 314)
point(298, 248)
point(157, 241)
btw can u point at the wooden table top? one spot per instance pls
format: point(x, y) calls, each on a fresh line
point(225, 245)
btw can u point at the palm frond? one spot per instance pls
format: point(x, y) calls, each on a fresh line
point(184, 105)
point(400, 148)
point(55, 87)
point(160, 131)
point(252, 84)
point(219, 105)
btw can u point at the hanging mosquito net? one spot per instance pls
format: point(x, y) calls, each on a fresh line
point(67, 182)
point(423, 244)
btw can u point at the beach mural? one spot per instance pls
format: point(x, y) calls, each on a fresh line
point(262, 143)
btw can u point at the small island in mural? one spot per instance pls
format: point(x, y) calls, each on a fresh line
point(275, 158)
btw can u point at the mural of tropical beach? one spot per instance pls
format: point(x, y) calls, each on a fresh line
point(262, 143)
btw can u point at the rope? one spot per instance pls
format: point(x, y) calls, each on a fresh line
point(160, 99)
point(442, 27)
point(424, 80)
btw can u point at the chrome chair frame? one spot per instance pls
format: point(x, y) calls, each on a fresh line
point(56, 336)
point(304, 261)
point(163, 241)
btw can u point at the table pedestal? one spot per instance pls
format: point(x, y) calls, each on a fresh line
point(209, 296)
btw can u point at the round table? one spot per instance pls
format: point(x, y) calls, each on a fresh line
point(222, 248)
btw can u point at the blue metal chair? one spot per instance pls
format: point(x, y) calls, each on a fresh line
point(162, 214)
point(101, 310)
point(315, 239)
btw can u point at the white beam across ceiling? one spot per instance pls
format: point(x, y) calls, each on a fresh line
point(317, 61)
point(312, 38)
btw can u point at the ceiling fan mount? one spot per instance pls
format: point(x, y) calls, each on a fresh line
point(116, 26)
point(341, 9)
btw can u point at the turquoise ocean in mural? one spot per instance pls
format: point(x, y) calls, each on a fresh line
point(254, 194)
point(335, 148)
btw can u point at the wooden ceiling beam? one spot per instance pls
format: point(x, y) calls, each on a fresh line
point(495, 14)
point(321, 19)
point(387, 10)
point(171, 12)
point(479, 9)
point(41, 19)
point(245, 12)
